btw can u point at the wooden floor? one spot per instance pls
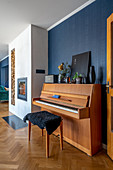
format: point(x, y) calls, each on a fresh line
point(17, 153)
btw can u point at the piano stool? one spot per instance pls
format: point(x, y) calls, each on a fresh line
point(48, 121)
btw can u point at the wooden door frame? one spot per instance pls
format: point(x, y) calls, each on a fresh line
point(110, 90)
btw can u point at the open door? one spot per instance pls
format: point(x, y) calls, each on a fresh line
point(110, 86)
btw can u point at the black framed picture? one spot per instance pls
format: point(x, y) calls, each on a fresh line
point(81, 64)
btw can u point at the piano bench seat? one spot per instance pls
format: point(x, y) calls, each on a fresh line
point(49, 121)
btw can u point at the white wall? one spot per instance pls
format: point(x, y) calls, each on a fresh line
point(31, 53)
point(39, 39)
point(22, 45)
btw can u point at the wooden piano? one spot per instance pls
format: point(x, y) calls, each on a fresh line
point(80, 107)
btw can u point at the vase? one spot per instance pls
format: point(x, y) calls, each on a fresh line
point(84, 80)
point(92, 75)
point(59, 78)
point(67, 80)
point(78, 80)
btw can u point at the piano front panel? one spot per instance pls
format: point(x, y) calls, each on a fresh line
point(75, 132)
point(77, 89)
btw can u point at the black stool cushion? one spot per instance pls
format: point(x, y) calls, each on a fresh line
point(44, 119)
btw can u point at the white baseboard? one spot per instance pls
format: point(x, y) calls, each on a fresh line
point(104, 146)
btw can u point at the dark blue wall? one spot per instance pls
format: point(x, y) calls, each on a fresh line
point(85, 31)
point(4, 72)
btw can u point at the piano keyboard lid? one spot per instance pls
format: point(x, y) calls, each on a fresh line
point(69, 100)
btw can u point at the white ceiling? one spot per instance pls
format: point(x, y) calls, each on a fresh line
point(3, 50)
point(16, 15)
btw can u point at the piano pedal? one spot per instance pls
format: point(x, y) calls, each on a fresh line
point(56, 135)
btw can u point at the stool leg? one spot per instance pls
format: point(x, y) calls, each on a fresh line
point(42, 132)
point(47, 145)
point(29, 126)
point(61, 135)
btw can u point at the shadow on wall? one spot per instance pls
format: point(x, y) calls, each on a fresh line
point(100, 75)
point(104, 105)
point(104, 114)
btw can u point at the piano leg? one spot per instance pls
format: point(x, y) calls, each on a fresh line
point(47, 145)
point(61, 135)
point(29, 126)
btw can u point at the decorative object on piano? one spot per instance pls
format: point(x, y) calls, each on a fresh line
point(51, 79)
point(59, 78)
point(84, 80)
point(77, 78)
point(64, 73)
point(67, 79)
point(60, 67)
point(81, 64)
point(92, 75)
point(56, 96)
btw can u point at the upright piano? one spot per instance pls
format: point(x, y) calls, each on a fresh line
point(79, 105)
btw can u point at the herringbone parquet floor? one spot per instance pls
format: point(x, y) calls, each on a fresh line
point(17, 153)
